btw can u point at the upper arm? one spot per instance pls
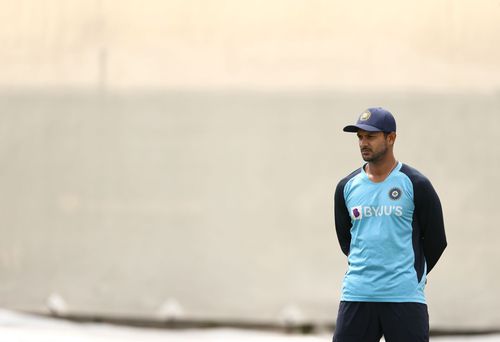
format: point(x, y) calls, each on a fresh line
point(342, 219)
point(429, 214)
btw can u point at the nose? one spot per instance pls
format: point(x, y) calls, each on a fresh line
point(363, 142)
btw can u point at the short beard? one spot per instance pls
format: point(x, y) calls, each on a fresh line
point(376, 157)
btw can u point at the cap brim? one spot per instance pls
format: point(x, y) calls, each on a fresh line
point(355, 128)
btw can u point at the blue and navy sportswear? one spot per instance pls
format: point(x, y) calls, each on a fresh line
point(392, 233)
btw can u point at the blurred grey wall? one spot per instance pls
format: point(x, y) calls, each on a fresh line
point(178, 158)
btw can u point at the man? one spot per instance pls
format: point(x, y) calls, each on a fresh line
point(389, 223)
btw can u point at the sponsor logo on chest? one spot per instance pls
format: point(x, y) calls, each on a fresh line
point(357, 213)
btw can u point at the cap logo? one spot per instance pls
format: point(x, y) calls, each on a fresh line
point(365, 116)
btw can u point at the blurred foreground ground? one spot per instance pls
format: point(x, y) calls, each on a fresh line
point(26, 328)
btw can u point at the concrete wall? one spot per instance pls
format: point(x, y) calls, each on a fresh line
point(179, 157)
point(221, 203)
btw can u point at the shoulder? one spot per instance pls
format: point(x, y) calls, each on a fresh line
point(416, 177)
point(422, 186)
point(350, 176)
point(341, 184)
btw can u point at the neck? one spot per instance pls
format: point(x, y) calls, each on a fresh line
point(380, 169)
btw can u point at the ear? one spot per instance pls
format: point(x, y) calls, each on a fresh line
point(391, 138)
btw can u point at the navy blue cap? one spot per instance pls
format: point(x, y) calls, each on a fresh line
point(375, 119)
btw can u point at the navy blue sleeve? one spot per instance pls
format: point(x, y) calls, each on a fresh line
point(342, 218)
point(429, 213)
point(429, 217)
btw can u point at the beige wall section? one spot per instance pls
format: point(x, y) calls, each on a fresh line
point(222, 202)
point(251, 44)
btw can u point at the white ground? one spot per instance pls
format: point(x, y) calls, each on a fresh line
point(16, 327)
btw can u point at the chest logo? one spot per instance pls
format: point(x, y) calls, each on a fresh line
point(395, 194)
point(367, 211)
point(357, 213)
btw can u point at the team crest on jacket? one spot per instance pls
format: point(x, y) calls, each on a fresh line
point(395, 193)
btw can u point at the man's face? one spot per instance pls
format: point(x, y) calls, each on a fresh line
point(373, 145)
